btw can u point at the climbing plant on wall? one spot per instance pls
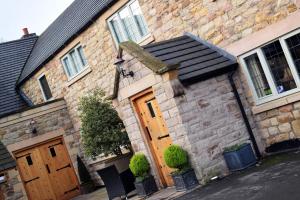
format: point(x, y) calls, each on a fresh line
point(102, 130)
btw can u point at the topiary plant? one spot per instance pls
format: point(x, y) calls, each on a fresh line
point(102, 130)
point(176, 158)
point(139, 166)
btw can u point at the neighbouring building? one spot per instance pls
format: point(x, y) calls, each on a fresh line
point(179, 63)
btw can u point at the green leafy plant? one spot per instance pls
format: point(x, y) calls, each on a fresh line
point(234, 147)
point(176, 158)
point(102, 130)
point(139, 166)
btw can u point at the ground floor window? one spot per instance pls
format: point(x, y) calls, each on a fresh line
point(273, 69)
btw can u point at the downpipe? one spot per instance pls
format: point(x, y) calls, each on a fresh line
point(244, 115)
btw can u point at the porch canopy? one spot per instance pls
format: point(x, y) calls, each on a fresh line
point(194, 58)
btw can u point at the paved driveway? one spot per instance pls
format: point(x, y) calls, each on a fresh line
point(278, 178)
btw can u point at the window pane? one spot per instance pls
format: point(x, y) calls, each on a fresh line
point(67, 65)
point(280, 70)
point(258, 76)
point(117, 29)
point(130, 25)
point(151, 110)
point(293, 44)
point(45, 87)
point(139, 18)
point(81, 55)
point(76, 62)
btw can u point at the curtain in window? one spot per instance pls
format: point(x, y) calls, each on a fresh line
point(129, 25)
point(116, 26)
point(257, 76)
point(139, 18)
point(68, 68)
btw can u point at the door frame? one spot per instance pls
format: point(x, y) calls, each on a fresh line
point(144, 135)
point(39, 144)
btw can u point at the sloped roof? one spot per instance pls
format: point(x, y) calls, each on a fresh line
point(197, 59)
point(13, 56)
point(6, 160)
point(68, 25)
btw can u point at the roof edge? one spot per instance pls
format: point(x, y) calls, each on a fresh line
point(32, 107)
point(72, 37)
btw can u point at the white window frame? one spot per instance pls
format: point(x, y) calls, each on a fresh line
point(116, 14)
point(67, 55)
point(42, 89)
point(266, 69)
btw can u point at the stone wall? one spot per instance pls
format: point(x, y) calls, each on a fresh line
point(280, 124)
point(221, 22)
point(213, 120)
point(51, 120)
point(203, 118)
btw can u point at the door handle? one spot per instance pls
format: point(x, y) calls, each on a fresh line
point(31, 180)
point(148, 132)
point(164, 136)
point(48, 169)
point(64, 167)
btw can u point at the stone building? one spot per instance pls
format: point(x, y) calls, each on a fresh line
point(177, 68)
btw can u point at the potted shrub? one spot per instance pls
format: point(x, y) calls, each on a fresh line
point(184, 176)
point(239, 157)
point(144, 183)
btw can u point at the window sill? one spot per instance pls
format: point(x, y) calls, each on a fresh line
point(146, 40)
point(276, 103)
point(79, 76)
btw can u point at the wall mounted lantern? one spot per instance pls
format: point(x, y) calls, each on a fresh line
point(32, 125)
point(122, 71)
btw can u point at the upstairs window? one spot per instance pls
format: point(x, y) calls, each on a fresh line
point(46, 91)
point(128, 24)
point(74, 62)
point(273, 70)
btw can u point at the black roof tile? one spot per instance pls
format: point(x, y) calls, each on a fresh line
point(198, 59)
point(13, 56)
point(70, 23)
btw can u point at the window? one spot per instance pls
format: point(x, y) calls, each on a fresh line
point(74, 62)
point(128, 23)
point(45, 88)
point(273, 70)
point(52, 151)
point(149, 105)
point(29, 160)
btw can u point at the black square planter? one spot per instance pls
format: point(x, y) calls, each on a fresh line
point(240, 159)
point(185, 181)
point(146, 187)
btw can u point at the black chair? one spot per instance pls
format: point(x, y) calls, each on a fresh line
point(117, 185)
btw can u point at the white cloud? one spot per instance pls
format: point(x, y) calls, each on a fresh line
point(36, 15)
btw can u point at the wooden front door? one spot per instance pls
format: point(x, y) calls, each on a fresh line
point(47, 172)
point(156, 133)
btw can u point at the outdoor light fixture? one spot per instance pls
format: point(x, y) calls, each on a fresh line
point(33, 127)
point(122, 71)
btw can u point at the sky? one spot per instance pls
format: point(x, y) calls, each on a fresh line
point(36, 15)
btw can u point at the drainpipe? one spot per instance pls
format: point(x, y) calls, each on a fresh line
point(24, 97)
point(245, 118)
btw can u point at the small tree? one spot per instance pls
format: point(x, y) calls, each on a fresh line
point(102, 130)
